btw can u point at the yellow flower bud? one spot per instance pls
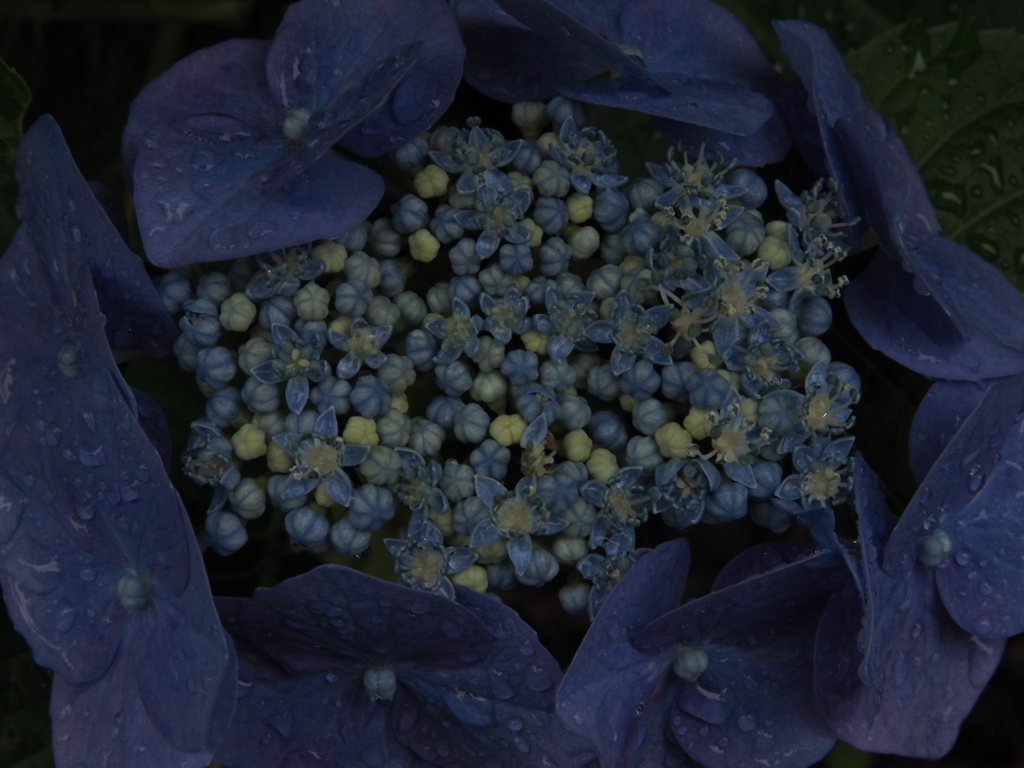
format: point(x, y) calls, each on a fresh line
point(577, 445)
point(584, 243)
point(423, 245)
point(602, 465)
point(535, 341)
point(631, 264)
point(341, 324)
point(627, 402)
point(775, 251)
point(474, 577)
point(361, 430)
point(330, 253)
point(700, 354)
point(507, 430)
point(673, 441)
point(777, 229)
point(312, 302)
point(278, 459)
point(697, 423)
point(323, 498)
point(546, 140)
point(400, 403)
point(568, 549)
point(536, 236)
point(432, 181)
point(492, 553)
point(580, 207)
point(443, 522)
point(237, 313)
point(750, 408)
point(250, 442)
point(488, 386)
point(458, 200)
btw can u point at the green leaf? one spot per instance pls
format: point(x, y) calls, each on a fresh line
point(956, 96)
point(14, 98)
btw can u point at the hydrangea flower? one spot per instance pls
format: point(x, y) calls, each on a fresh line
point(362, 344)
point(281, 273)
point(327, 675)
point(513, 517)
point(98, 563)
point(458, 333)
point(633, 329)
point(320, 456)
point(228, 145)
point(424, 561)
point(297, 362)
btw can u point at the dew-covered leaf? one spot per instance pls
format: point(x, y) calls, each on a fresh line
point(893, 672)
point(755, 700)
point(955, 96)
point(938, 417)
point(613, 694)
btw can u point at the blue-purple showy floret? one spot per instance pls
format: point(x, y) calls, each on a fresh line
point(100, 570)
point(228, 149)
point(342, 667)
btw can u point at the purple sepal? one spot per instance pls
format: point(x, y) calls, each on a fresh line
point(613, 694)
point(956, 316)
point(756, 697)
point(152, 420)
point(64, 217)
point(454, 662)
point(87, 504)
point(941, 413)
point(201, 198)
point(882, 699)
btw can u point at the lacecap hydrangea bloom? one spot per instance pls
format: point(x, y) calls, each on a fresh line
point(511, 367)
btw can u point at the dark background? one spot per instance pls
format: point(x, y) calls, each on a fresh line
point(84, 61)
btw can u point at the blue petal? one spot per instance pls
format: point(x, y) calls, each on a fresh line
point(756, 696)
point(982, 333)
point(711, 104)
point(200, 200)
point(339, 487)
point(152, 420)
point(296, 393)
point(938, 417)
point(612, 693)
point(66, 218)
point(881, 699)
point(510, 62)
point(225, 79)
point(86, 503)
point(519, 551)
point(322, 51)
